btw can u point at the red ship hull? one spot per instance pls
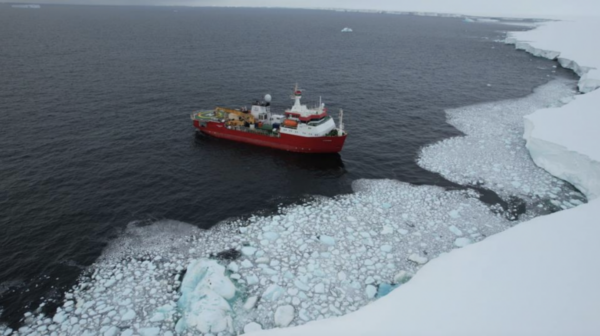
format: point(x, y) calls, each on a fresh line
point(284, 141)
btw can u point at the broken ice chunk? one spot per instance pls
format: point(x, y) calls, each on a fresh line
point(454, 214)
point(272, 293)
point(386, 248)
point(387, 230)
point(262, 260)
point(370, 291)
point(205, 311)
point(251, 327)
point(455, 230)
point(128, 315)
point(204, 293)
point(301, 285)
point(251, 302)
point(271, 236)
point(154, 331)
point(233, 266)
point(327, 240)
point(401, 277)
point(204, 273)
point(462, 242)
point(418, 259)
point(284, 315)
point(251, 279)
point(248, 251)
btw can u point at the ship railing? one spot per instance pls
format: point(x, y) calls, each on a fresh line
point(334, 133)
point(317, 123)
point(256, 131)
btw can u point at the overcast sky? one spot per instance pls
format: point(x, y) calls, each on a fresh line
point(483, 7)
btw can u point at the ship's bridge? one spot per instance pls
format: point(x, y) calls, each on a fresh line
point(303, 113)
point(260, 110)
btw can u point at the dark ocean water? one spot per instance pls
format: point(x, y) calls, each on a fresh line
point(95, 133)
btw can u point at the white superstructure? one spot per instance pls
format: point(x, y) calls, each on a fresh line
point(299, 120)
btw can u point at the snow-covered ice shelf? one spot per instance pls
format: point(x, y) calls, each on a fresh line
point(564, 141)
point(569, 43)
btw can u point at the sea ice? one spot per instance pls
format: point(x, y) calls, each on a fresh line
point(327, 240)
point(149, 331)
point(250, 302)
point(248, 251)
point(284, 315)
point(492, 154)
point(251, 327)
point(417, 258)
point(521, 281)
point(401, 277)
point(462, 242)
point(370, 291)
point(318, 279)
point(272, 293)
point(455, 230)
point(204, 294)
point(207, 312)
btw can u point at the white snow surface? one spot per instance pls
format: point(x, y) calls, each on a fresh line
point(567, 42)
point(538, 279)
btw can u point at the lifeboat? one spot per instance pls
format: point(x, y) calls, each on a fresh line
point(290, 123)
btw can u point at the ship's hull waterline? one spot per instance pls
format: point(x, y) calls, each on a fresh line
point(287, 142)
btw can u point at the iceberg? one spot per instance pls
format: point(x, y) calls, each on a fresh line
point(204, 302)
point(347, 30)
point(31, 6)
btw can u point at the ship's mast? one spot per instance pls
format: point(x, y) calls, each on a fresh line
point(268, 106)
point(341, 128)
point(297, 96)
